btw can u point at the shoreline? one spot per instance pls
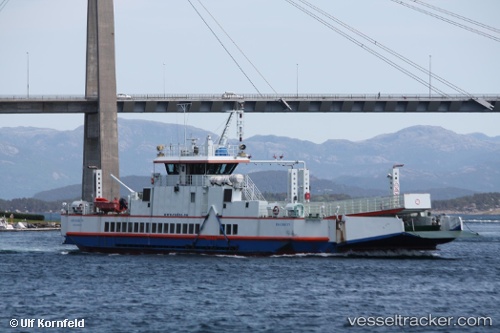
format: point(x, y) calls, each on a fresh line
point(29, 229)
point(461, 212)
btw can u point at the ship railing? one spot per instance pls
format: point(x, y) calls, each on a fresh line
point(354, 206)
point(251, 191)
point(253, 97)
point(319, 210)
point(175, 150)
point(186, 180)
point(366, 205)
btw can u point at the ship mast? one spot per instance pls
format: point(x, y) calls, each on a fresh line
point(393, 176)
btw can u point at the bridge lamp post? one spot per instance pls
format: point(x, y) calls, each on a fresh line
point(27, 75)
point(163, 79)
point(297, 74)
point(430, 75)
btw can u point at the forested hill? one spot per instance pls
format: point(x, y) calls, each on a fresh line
point(480, 202)
point(435, 160)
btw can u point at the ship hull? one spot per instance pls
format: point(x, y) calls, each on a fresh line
point(89, 235)
point(403, 241)
point(204, 245)
point(143, 245)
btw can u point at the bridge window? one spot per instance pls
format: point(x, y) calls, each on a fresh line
point(202, 168)
point(221, 168)
point(118, 226)
point(106, 226)
point(196, 169)
point(172, 169)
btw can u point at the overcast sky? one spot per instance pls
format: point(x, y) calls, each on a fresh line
point(164, 46)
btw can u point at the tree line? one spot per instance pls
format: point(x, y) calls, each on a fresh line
point(476, 202)
point(28, 205)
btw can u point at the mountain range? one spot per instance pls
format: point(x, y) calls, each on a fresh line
point(436, 160)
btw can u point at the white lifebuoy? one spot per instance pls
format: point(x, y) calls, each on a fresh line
point(417, 202)
point(276, 210)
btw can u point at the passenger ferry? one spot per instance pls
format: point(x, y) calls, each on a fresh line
point(196, 203)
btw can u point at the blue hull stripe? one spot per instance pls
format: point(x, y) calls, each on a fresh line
point(152, 244)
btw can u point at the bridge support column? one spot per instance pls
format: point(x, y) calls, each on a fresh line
point(100, 147)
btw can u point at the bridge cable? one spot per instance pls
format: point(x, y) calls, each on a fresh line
point(3, 4)
point(392, 52)
point(368, 49)
point(479, 32)
point(482, 25)
point(239, 49)
point(222, 44)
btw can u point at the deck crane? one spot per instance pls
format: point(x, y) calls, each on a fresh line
point(239, 125)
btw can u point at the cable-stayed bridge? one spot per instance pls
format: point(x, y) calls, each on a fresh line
point(100, 104)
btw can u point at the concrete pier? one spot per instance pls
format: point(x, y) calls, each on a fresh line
point(100, 149)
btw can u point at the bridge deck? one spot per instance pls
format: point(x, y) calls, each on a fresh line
point(254, 103)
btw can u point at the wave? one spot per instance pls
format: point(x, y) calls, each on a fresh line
point(482, 220)
point(6, 251)
point(16, 250)
point(392, 254)
point(396, 254)
point(305, 255)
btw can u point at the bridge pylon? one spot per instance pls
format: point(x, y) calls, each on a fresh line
point(100, 146)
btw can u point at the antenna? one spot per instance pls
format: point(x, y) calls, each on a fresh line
point(184, 106)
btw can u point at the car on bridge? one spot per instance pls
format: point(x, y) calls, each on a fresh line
point(230, 95)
